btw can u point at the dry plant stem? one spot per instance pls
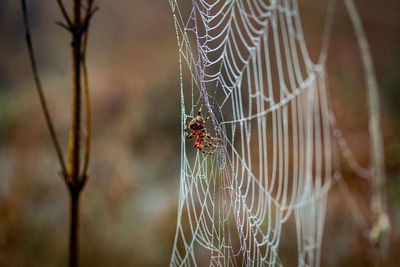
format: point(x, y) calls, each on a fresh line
point(78, 27)
point(73, 231)
point(75, 133)
point(64, 12)
point(87, 97)
point(40, 91)
point(79, 31)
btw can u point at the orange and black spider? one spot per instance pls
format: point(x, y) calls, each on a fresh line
point(196, 128)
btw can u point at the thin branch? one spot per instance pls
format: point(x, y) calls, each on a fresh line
point(88, 110)
point(71, 172)
point(64, 26)
point(40, 91)
point(74, 146)
point(90, 11)
point(64, 12)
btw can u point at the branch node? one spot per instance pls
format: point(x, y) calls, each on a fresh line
point(64, 26)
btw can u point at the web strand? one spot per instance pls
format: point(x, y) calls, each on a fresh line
point(249, 68)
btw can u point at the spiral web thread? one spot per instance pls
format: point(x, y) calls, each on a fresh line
point(250, 70)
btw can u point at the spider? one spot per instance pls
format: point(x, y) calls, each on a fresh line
point(196, 126)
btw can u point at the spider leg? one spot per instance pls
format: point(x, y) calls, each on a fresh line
point(198, 142)
point(199, 145)
point(191, 135)
point(210, 144)
point(213, 138)
point(202, 151)
point(204, 121)
point(207, 143)
point(198, 113)
point(186, 131)
point(206, 152)
point(204, 134)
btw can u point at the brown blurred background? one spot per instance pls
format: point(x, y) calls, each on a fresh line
point(128, 208)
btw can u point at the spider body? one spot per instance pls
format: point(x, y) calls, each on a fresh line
point(196, 128)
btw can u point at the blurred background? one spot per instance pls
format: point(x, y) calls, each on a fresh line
point(128, 208)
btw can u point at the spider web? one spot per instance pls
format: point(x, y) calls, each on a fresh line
point(249, 68)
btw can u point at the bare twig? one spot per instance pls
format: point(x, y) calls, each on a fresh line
point(87, 96)
point(64, 26)
point(40, 91)
point(78, 28)
point(64, 12)
point(90, 11)
point(75, 135)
